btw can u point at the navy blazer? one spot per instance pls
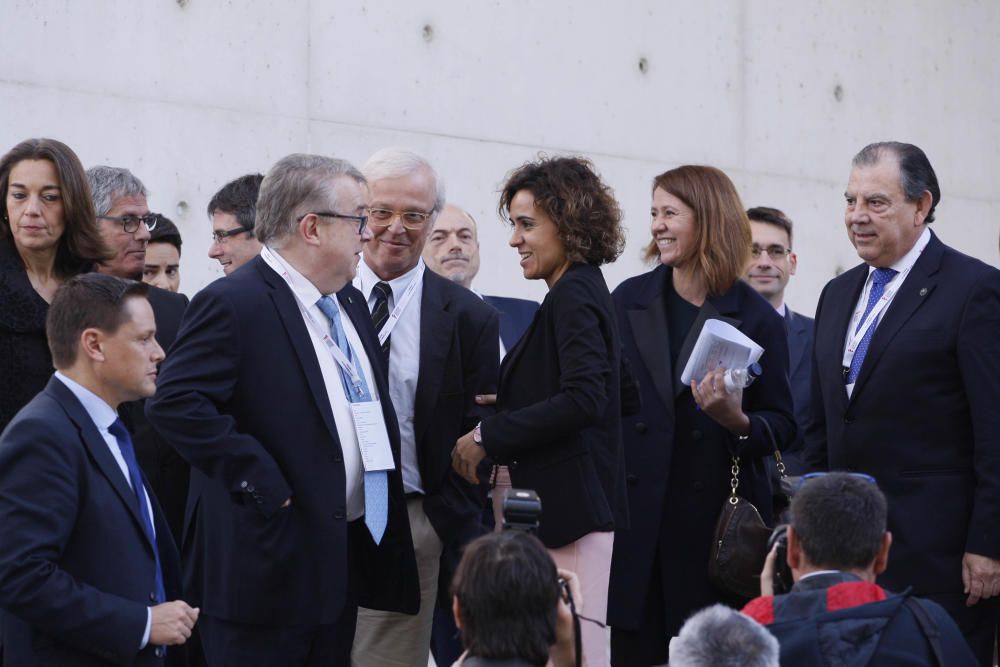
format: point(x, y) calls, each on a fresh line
point(677, 458)
point(558, 421)
point(242, 398)
point(459, 358)
point(923, 418)
point(77, 570)
point(800, 343)
point(515, 317)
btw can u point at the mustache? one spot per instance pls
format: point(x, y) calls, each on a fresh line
point(450, 256)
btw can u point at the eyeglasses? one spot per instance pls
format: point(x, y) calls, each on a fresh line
point(220, 237)
point(775, 252)
point(130, 223)
point(813, 475)
point(383, 217)
point(361, 220)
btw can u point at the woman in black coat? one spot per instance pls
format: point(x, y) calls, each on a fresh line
point(48, 234)
point(679, 448)
point(558, 423)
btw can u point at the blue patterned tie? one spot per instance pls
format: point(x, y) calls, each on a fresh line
point(377, 482)
point(118, 430)
point(880, 279)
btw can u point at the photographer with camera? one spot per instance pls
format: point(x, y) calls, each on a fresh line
point(512, 606)
point(835, 613)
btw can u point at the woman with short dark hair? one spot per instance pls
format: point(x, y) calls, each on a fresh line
point(48, 234)
point(679, 449)
point(558, 424)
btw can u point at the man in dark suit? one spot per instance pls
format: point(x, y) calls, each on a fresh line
point(125, 223)
point(773, 263)
point(87, 563)
point(906, 382)
point(452, 251)
point(441, 344)
point(275, 392)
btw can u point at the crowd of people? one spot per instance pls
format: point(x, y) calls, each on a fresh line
point(306, 463)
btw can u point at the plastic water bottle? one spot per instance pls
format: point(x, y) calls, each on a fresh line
point(740, 378)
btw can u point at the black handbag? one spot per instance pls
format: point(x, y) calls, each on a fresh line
point(740, 542)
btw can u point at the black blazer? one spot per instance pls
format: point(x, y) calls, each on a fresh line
point(923, 419)
point(166, 471)
point(677, 458)
point(76, 568)
point(242, 398)
point(558, 421)
point(459, 358)
point(515, 317)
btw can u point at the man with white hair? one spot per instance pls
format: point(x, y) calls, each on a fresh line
point(440, 342)
point(719, 636)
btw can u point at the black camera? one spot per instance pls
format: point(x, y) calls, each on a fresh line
point(782, 580)
point(522, 510)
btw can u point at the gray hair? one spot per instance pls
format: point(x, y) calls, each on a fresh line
point(722, 637)
point(396, 162)
point(110, 183)
point(295, 184)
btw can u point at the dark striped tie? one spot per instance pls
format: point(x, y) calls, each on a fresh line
point(380, 313)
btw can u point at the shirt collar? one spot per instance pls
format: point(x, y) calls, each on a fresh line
point(909, 259)
point(301, 286)
point(398, 285)
point(102, 414)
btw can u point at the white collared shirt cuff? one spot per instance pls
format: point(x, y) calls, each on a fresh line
point(149, 628)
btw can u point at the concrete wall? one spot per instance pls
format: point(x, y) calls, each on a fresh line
point(191, 93)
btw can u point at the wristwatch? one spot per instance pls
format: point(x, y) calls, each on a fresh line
point(477, 435)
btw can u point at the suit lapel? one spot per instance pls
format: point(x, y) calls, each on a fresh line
point(291, 319)
point(437, 327)
point(796, 340)
point(652, 340)
point(98, 449)
point(912, 294)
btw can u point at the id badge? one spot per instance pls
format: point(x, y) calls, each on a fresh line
point(373, 438)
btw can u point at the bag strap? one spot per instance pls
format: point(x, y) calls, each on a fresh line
point(927, 626)
point(735, 469)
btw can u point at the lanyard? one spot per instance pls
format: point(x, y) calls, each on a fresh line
point(873, 315)
point(278, 264)
point(401, 305)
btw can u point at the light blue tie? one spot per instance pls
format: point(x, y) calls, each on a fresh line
point(880, 279)
point(377, 482)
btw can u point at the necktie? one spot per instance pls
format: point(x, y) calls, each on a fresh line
point(380, 313)
point(880, 279)
point(118, 430)
point(376, 482)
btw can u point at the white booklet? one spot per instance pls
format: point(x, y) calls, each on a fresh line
point(720, 345)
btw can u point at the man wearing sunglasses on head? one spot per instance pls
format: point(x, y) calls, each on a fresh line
point(125, 223)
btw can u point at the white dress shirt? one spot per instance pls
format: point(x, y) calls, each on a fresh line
point(404, 362)
point(103, 416)
point(340, 402)
point(902, 267)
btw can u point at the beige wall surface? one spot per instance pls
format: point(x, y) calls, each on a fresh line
point(192, 93)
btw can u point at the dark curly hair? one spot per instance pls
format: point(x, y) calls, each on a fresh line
point(582, 206)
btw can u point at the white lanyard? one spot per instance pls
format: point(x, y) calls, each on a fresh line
point(401, 305)
point(278, 264)
point(873, 315)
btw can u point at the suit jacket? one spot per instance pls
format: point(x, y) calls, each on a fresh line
point(77, 571)
point(166, 471)
point(241, 397)
point(558, 421)
point(923, 418)
point(515, 317)
point(677, 458)
point(800, 343)
point(459, 358)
